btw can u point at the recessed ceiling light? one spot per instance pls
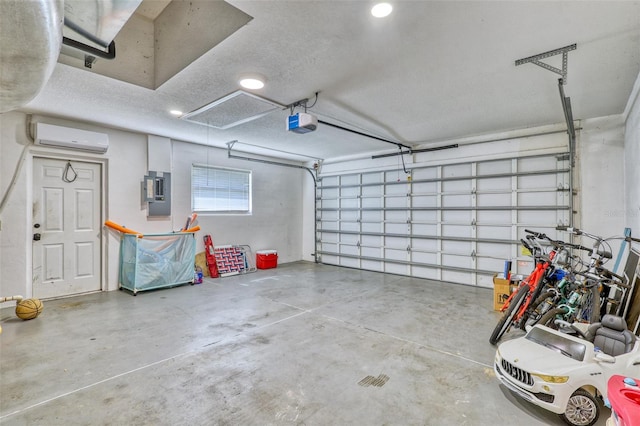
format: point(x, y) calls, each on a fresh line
point(175, 112)
point(252, 82)
point(381, 10)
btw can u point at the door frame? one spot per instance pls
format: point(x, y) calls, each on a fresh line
point(64, 155)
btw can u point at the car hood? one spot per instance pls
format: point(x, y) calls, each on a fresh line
point(536, 358)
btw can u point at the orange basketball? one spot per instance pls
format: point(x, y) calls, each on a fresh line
point(28, 309)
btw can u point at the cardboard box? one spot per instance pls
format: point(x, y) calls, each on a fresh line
point(266, 259)
point(501, 290)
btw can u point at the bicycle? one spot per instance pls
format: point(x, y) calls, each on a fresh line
point(515, 307)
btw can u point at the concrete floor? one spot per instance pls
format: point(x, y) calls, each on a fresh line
point(301, 344)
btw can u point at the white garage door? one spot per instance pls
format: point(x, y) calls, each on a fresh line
point(454, 222)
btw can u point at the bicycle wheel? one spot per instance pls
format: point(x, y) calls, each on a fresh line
point(538, 308)
point(507, 319)
point(548, 319)
point(589, 309)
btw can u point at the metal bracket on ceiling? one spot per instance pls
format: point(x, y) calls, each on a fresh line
point(535, 59)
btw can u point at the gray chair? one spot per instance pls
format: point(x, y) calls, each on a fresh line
point(611, 335)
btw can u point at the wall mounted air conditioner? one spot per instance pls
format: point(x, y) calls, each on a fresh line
point(66, 137)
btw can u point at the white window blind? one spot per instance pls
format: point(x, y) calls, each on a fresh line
point(220, 190)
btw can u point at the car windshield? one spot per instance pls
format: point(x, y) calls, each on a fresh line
point(566, 347)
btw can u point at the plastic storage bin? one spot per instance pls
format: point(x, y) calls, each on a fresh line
point(156, 260)
point(266, 259)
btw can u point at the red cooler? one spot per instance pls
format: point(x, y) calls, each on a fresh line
point(266, 259)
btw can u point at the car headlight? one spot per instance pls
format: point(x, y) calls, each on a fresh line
point(552, 379)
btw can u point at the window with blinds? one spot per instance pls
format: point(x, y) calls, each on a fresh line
point(220, 190)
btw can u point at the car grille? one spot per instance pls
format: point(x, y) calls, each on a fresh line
point(517, 373)
point(544, 397)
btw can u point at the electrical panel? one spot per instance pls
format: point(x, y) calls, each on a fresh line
point(156, 190)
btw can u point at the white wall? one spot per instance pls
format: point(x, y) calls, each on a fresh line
point(600, 151)
point(632, 162)
point(277, 192)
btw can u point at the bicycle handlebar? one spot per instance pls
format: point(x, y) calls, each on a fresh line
point(539, 235)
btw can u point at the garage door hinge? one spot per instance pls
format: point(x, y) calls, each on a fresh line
point(408, 248)
point(473, 254)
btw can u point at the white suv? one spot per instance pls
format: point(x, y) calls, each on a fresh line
point(564, 373)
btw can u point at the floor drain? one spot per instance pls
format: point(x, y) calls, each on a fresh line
point(374, 381)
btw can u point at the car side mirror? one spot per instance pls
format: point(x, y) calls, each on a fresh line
point(602, 357)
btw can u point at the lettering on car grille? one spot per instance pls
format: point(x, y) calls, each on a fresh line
point(517, 373)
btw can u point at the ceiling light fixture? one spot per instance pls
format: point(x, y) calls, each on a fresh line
point(381, 10)
point(252, 81)
point(175, 112)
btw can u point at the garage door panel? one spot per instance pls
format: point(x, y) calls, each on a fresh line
point(396, 216)
point(372, 216)
point(349, 215)
point(369, 178)
point(537, 181)
point(349, 239)
point(371, 240)
point(456, 201)
point(371, 252)
point(539, 198)
point(349, 250)
point(330, 237)
point(491, 264)
point(394, 254)
point(424, 215)
point(494, 184)
point(349, 203)
point(493, 167)
point(424, 245)
point(329, 247)
point(457, 216)
point(425, 187)
point(396, 243)
point(498, 217)
point(424, 229)
point(372, 227)
point(488, 200)
point(448, 220)
point(396, 202)
point(456, 277)
point(349, 262)
point(422, 272)
point(537, 217)
point(494, 232)
point(425, 201)
point(504, 251)
point(396, 228)
point(368, 203)
point(457, 170)
point(424, 173)
point(421, 257)
point(457, 231)
point(392, 268)
point(463, 248)
point(371, 265)
point(457, 186)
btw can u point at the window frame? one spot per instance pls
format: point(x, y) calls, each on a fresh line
point(249, 192)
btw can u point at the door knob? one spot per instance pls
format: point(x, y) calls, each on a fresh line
point(37, 225)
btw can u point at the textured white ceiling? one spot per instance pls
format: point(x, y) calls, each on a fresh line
point(431, 71)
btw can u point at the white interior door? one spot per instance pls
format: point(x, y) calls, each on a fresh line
point(66, 227)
